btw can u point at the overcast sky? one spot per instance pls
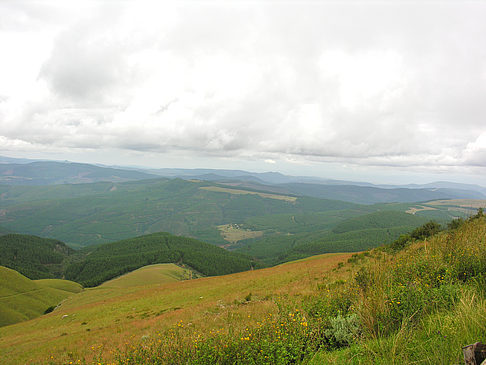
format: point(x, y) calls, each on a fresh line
point(380, 91)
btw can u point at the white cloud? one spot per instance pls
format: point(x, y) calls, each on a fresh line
point(330, 82)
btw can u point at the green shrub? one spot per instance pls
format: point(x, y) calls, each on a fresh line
point(343, 330)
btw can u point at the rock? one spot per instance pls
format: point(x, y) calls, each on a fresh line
point(475, 354)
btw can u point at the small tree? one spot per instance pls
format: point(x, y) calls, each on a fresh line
point(427, 230)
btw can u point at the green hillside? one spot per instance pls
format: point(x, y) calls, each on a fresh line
point(298, 236)
point(32, 256)
point(379, 220)
point(96, 265)
point(95, 213)
point(22, 298)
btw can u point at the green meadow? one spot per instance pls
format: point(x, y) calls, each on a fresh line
point(22, 299)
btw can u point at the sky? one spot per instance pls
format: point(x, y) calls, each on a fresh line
point(386, 92)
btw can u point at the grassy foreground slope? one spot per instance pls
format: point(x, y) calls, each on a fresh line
point(101, 321)
point(22, 298)
point(409, 302)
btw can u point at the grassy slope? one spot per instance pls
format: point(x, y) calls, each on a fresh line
point(101, 319)
point(426, 303)
point(22, 298)
point(421, 304)
point(150, 275)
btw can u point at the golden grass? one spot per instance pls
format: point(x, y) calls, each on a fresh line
point(102, 319)
point(217, 189)
point(233, 233)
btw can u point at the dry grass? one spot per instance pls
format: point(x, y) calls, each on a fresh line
point(101, 320)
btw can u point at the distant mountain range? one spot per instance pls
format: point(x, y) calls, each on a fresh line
point(53, 173)
point(32, 172)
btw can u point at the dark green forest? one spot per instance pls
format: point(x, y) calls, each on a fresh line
point(39, 258)
point(313, 234)
point(107, 261)
point(34, 257)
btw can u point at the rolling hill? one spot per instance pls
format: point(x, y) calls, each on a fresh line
point(22, 298)
point(96, 265)
point(372, 195)
point(268, 225)
point(39, 258)
point(18, 172)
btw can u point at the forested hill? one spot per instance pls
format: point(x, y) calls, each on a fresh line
point(109, 260)
point(39, 258)
point(34, 257)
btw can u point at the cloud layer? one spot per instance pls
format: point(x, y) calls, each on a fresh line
point(375, 84)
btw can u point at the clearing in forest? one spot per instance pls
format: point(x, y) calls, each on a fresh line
point(218, 189)
point(234, 233)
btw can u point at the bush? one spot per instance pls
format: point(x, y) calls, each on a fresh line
point(343, 330)
point(50, 309)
